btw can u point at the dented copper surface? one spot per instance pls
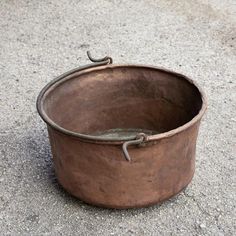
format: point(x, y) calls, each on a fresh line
point(80, 106)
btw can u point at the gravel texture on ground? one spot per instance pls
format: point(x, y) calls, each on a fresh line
point(42, 39)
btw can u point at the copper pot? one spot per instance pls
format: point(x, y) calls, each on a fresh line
point(122, 136)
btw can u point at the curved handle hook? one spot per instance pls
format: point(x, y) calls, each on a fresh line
point(106, 58)
point(139, 139)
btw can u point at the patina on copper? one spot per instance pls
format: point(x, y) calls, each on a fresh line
point(160, 109)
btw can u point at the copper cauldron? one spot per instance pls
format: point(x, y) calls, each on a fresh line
point(122, 136)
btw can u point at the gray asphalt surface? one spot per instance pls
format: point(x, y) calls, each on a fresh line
point(42, 39)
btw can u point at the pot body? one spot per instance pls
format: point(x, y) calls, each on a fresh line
point(82, 104)
point(98, 173)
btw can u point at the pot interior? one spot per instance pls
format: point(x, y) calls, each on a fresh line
point(123, 98)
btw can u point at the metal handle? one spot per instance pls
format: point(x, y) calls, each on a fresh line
point(106, 58)
point(139, 139)
point(97, 62)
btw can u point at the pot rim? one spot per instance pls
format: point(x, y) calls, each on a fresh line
point(95, 139)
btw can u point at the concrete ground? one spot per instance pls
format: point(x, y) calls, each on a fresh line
point(42, 39)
